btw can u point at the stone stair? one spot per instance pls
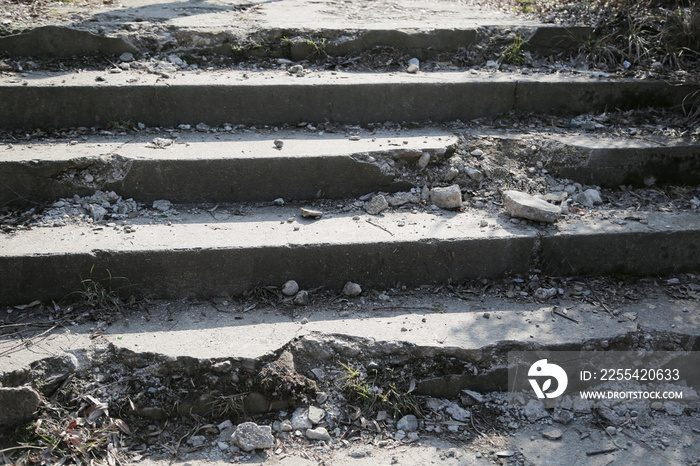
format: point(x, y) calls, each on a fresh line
point(192, 191)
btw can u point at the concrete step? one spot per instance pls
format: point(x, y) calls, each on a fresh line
point(243, 164)
point(225, 252)
point(58, 100)
point(294, 28)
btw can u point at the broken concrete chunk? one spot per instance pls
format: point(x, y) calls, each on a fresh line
point(447, 198)
point(250, 436)
point(399, 199)
point(319, 433)
point(589, 198)
point(474, 174)
point(376, 205)
point(519, 204)
point(18, 405)
point(316, 415)
point(407, 423)
point(310, 213)
point(300, 419)
point(162, 205)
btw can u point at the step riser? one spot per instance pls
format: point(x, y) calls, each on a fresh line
point(221, 272)
point(195, 181)
point(351, 103)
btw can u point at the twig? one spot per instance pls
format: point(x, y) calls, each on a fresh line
point(378, 226)
point(561, 314)
point(601, 452)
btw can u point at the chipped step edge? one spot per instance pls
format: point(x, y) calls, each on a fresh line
point(226, 259)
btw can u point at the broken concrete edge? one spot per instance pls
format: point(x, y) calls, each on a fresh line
point(441, 372)
point(347, 99)
point(222, 267)
point(186, 180)
point(297, 44)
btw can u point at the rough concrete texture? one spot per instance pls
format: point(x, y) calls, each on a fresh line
point(18, 405)
point(205, 257)
point(222, 167)
point(89, 98)
point(419, 26)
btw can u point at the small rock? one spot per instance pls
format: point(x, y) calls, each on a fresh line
point(451, 174)
point(250, 436)
point(447, 198)
point(279, 144)
point(290, 288)
point(519, 204)
point(126, 57)
point(296, 69)
point(399, 199)
point(300, 419)
point(582, 406)
point(554, 434)
point(545, 293)
point(534, 411)
point(382, 416)
point(202, 127)
point(424, 160)
point(302, 298)
point(483, 223)
point(413, 65)
point(407, 423)
point(279, 201)
point(563, 416)
point(658, 406)
point(474, 174)
point(352, 289)
point(673, 408)
point(376, 205)
point(611, 430)
point(477, 153)
point(505, 453)
point(316, 415)
point(286, 426)
point(589, 198)
point(97, 212)
point(359, 453)
point(197, 441)
point(319, 433)
point(18, 405)
point(162, 205)
point(458, 413)
point(310, 213)
point(223, 446)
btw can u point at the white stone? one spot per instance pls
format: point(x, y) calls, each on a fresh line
point(250, 436)
point(126, 56)
point(474, 174)
point(319, 433)
point(424, 160)
point(162, 205)
point(458, 413)
point(447, 198)
point(316, 415)
point(519, 204)
point(310, 213)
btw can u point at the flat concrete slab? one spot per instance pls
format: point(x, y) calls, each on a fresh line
point(204, 257)
point(56, 100)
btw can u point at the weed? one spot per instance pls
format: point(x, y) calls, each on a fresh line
point(691, 106)
point(638, 44)
point(514, 53)
point(379, 392)
point(100, 294)
point(318, 49)
point(598, 50)
point(227, 406)
point(121, 125)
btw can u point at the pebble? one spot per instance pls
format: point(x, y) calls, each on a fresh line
point(352, 289)
point(376, 205)
point(554, 434)
point(413, 65)
point(534, 411)
point(296, 69)
point(126, 57)
point(202, 127)
point(611, 430)
point(474, 174)
point(300, 419)
point(458, 413)
point(424, 160)
point(407, 423)
point(477, 153)
point(302, 298)
point(319, 433)
point(519, 204)
point(451, 174)
point(316, 414)
point(279, 202)
point(290, 288)
point(449, 197)
point(162, 205)
point(279, 143)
